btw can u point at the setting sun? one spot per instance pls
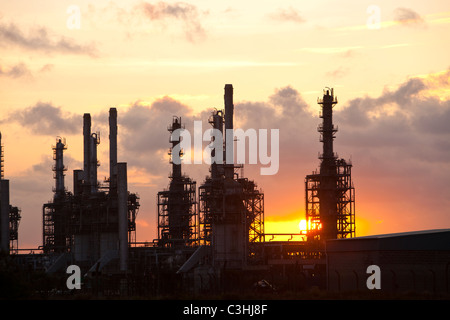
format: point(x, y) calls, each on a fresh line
point(302, 226)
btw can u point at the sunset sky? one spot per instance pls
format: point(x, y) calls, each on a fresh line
point(388, 62)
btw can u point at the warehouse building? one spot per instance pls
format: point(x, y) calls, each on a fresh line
point(411, 262)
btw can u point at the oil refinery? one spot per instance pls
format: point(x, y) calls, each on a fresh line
point(210, 234)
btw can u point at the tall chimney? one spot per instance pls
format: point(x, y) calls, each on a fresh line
point(112, 150)
point(86, 150)
point(229, 136)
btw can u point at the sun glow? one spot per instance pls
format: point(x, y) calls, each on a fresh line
point(303, 226)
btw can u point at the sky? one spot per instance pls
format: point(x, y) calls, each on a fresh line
point(386, 60)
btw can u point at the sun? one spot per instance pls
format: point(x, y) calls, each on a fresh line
point(302, 226)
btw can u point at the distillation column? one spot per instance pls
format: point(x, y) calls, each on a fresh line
point(58, 152)
point(328, 178)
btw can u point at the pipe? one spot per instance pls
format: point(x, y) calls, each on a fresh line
point(122, 199)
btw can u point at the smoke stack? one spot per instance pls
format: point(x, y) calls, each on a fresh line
point(112, 150)
point(229, 136)
point(86, 151)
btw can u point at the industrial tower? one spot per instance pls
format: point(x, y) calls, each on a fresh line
point(9, 215)
point(177, 214)
point(231, 206)
point(95, 224)
point(330, 194)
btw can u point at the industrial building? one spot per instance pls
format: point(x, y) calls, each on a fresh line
point(409, 262)
point(211, 239)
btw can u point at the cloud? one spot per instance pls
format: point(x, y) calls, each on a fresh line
point(406, 118)
point(47, 67)
point(407, 16)
point(187, 13)
point(287, 15)
point(143, 135)
point(40, 40)
point(46, 119)
point(331, 50)
point(15, 71)
point(337, 73)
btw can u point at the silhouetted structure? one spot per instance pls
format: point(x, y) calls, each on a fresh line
point(329, 193)
point(231, 206)
point(9, 215)
point(94, 225)
point(177, 214)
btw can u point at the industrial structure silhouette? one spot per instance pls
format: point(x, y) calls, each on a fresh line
point(211, 239)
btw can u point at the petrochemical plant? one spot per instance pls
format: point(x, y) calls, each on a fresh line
point(211, 238)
